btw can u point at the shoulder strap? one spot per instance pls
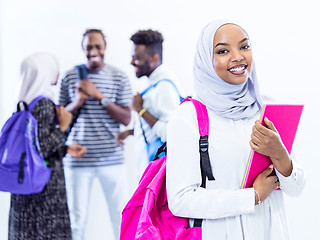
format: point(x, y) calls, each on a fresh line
point(202, 116)
point(203, 124)
point(162, 80)
point(34, 102)
point(205, 165)
point(82, 72)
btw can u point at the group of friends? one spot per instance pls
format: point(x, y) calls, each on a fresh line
point(224, 81)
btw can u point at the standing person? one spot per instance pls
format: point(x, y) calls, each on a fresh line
point(225, 82)
point(155, 106)
point(102, 104)
point(44, 215)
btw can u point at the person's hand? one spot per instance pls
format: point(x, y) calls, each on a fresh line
point(264, 184)
point(121, 136)
point(88, 87)
point(267, 141)
point(76, 150)
point(80, 97)
point(64, 118)
point(137, 102)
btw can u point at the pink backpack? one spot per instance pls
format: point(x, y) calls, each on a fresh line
point(146, 215)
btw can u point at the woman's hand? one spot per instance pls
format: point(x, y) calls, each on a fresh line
point(76, 150)
point(264, 184)
point(267, 141)
point(64, 118)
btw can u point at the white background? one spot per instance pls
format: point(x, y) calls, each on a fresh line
point(285, 39)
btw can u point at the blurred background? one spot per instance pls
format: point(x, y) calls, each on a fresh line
point(285, 39)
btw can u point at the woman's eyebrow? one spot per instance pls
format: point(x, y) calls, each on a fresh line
point(221, 44)
point(243, 40)
point(226, 44)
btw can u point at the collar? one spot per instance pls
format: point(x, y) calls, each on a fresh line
point(159, 73)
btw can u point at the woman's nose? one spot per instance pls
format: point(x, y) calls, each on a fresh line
point(236, 56)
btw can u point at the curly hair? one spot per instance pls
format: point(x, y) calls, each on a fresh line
point(93, 30)
point(151, 39)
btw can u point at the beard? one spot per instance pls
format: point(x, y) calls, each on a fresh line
point(143, 70)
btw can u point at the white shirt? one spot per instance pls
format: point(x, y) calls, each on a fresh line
point(228, 211)
point(160, 101)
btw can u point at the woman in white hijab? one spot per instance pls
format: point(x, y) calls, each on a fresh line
point(44, 215)
point(225, 82)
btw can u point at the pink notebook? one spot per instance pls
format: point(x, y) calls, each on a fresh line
point(286, 119)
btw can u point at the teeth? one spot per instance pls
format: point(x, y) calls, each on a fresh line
point(94, 58)
point(236, 69)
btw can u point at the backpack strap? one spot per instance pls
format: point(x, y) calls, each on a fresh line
point(31, 105)
point(205, 165)
point(162, 80)
point(82, 74)
point(34, 102)
point(25, 106)
point(202, 116)
point(145, 91)
point(203, 124)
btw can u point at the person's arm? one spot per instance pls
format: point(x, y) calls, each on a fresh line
point(137, 105)
point(64, 96)
point(164, 100)
point(294, 183)
point(79, 100)
point(121, 136)
point(183, 175)
point(120, 114)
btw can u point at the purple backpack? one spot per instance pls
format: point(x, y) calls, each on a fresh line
point(22, 167)
point(146, 215)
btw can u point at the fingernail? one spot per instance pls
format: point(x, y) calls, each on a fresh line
point(271, 166)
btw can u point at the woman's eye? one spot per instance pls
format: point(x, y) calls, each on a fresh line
point(222, 51)
point(247, 46)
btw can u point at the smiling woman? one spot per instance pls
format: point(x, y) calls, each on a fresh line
point(226, 83)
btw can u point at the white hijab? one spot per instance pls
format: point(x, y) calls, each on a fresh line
point(234, 101)
point(38, 72)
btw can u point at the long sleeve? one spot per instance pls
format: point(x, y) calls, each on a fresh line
point(161, 103)
point(51, 138)
point(293, 184)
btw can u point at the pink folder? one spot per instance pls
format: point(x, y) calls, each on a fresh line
point(286, 119)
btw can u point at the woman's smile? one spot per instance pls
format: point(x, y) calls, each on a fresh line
point(238, 69)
